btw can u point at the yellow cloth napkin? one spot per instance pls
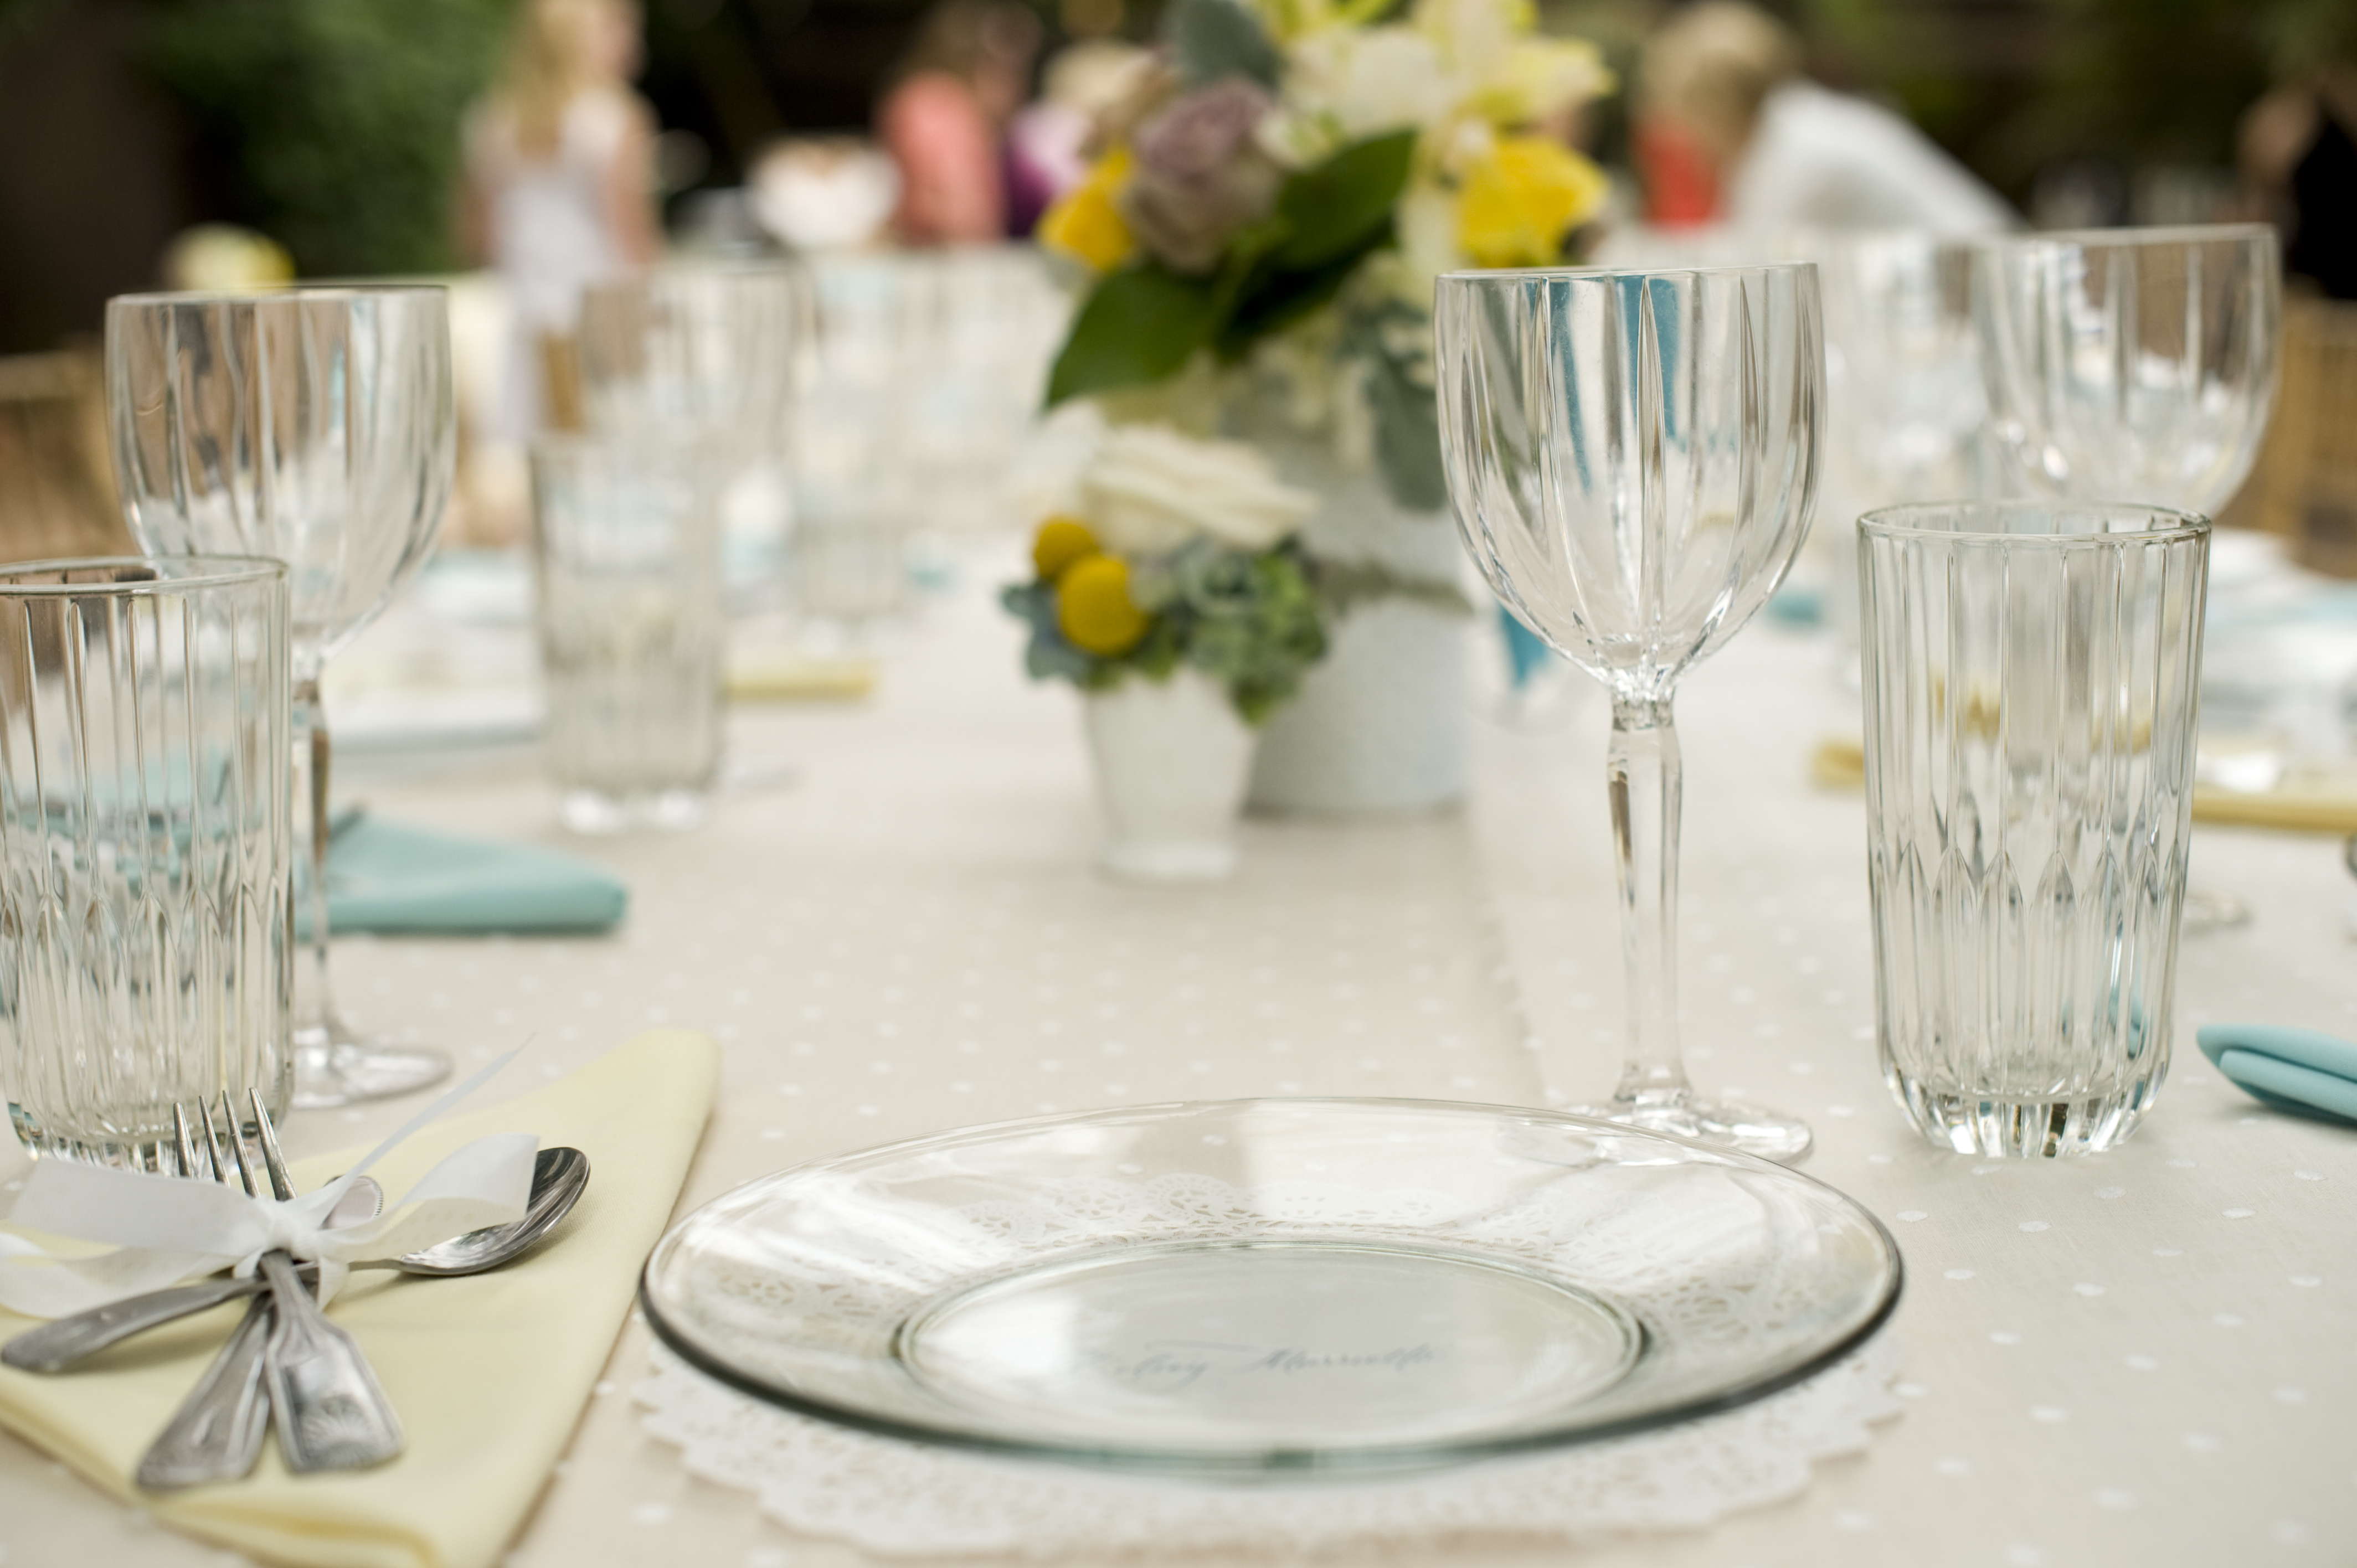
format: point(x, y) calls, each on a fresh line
point(489, 1373)
point(785, 677)
point(2299, 806)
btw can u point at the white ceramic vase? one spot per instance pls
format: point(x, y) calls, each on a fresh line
point(1172, 758)
point(1381, 724)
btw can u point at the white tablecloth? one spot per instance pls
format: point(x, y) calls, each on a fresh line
point(2146, 1358)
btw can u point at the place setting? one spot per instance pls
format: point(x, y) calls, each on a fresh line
point(928, 886)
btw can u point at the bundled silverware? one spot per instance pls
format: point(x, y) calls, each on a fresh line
point(286, 1365)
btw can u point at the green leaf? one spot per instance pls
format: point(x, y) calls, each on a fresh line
point(1407, 438)
point(1142, 324)
point(1276, 300)
point(1213, 40)
point(1344, 205)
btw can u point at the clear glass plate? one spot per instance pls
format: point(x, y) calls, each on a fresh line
point(1247, 1287)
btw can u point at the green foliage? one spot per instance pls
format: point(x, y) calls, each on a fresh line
point(1139, 324)
point(1214, 39)
point(19, 18)
point(1394, 341)
point(1143, 322)
point(1344, 205)
point(336, 120)
point(1255, 623)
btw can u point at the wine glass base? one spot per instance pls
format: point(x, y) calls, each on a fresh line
point(1746, 1129)
point(341, 1070)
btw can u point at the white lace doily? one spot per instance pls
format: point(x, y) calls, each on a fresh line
point(906, 1499)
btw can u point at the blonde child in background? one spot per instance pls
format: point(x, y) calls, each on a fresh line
point(560, 184)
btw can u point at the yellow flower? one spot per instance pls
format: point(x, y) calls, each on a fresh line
point(1086, 224)
point(1094, 609)
point(1061, 541)
point(1514, 207)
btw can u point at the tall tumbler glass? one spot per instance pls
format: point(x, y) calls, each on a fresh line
point(712, 353)
point(632, 631)
point(2032, 672)
point(145, 857)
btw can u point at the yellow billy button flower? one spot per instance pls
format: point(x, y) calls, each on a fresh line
point(1094, 609)
point(1061, 541)
point(1086, 224)
point(1514, 206)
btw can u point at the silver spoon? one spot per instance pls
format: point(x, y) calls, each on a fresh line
point(558, 1176)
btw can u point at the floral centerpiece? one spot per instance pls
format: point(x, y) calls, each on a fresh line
point(1300, 171)
point(1175, 595)
point(1256, 242)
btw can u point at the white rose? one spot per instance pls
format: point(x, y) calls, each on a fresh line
point(1152, 489)
point(1362, 82)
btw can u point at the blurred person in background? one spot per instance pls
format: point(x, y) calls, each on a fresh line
point(2299, 153)
point(560, 184)
point(1048, 142)
point(1728, 127)
point(942, 115)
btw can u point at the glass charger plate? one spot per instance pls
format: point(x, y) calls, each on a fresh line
point(1251, 1287)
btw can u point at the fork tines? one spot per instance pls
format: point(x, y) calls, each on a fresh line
point(207, 1141)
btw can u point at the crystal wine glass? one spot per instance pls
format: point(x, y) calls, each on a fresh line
point(2134, 365)
point(1632, 455)
point(316, 426)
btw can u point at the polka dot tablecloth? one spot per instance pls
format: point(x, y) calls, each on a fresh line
point(2145, 1357)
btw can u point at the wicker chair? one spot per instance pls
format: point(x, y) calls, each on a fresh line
point(57, 481)
point(2304, 486)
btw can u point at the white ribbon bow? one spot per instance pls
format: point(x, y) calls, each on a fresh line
point(166, 1228)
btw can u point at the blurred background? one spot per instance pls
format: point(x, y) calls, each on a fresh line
point(333, 129)
point(153, 143)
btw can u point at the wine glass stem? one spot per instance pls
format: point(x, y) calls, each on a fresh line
point(315, 1005)
point(1643, 776)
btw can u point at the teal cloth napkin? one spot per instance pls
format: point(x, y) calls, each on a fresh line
point(382, 876)
point(2297, 1069)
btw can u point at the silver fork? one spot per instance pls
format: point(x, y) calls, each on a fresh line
point(286, 1357)
point(216, 1434)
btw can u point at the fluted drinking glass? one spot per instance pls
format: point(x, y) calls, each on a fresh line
point(2031, 674)
point(144, 850)
point(715, 356)
point(1632, 457)
point(316, 426)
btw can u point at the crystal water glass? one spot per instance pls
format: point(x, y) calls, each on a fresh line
point(2131, 364)
point(2031, 671)
point(716, 354)
point(633, 633)
point(144, 853)
point(1633, 457)
point(316, 426)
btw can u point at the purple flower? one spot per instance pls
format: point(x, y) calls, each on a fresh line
point(1192, 141)
point(1200, 177)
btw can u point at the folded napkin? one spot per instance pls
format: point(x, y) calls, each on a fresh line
point(2297, 806)
point(489, 1373)
point(382, 876)
point(787, 677)
point(2298, 1070)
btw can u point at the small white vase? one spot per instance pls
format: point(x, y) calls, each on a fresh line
point(1172, 758)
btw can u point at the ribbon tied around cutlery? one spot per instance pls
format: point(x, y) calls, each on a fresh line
point(166, 1229)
